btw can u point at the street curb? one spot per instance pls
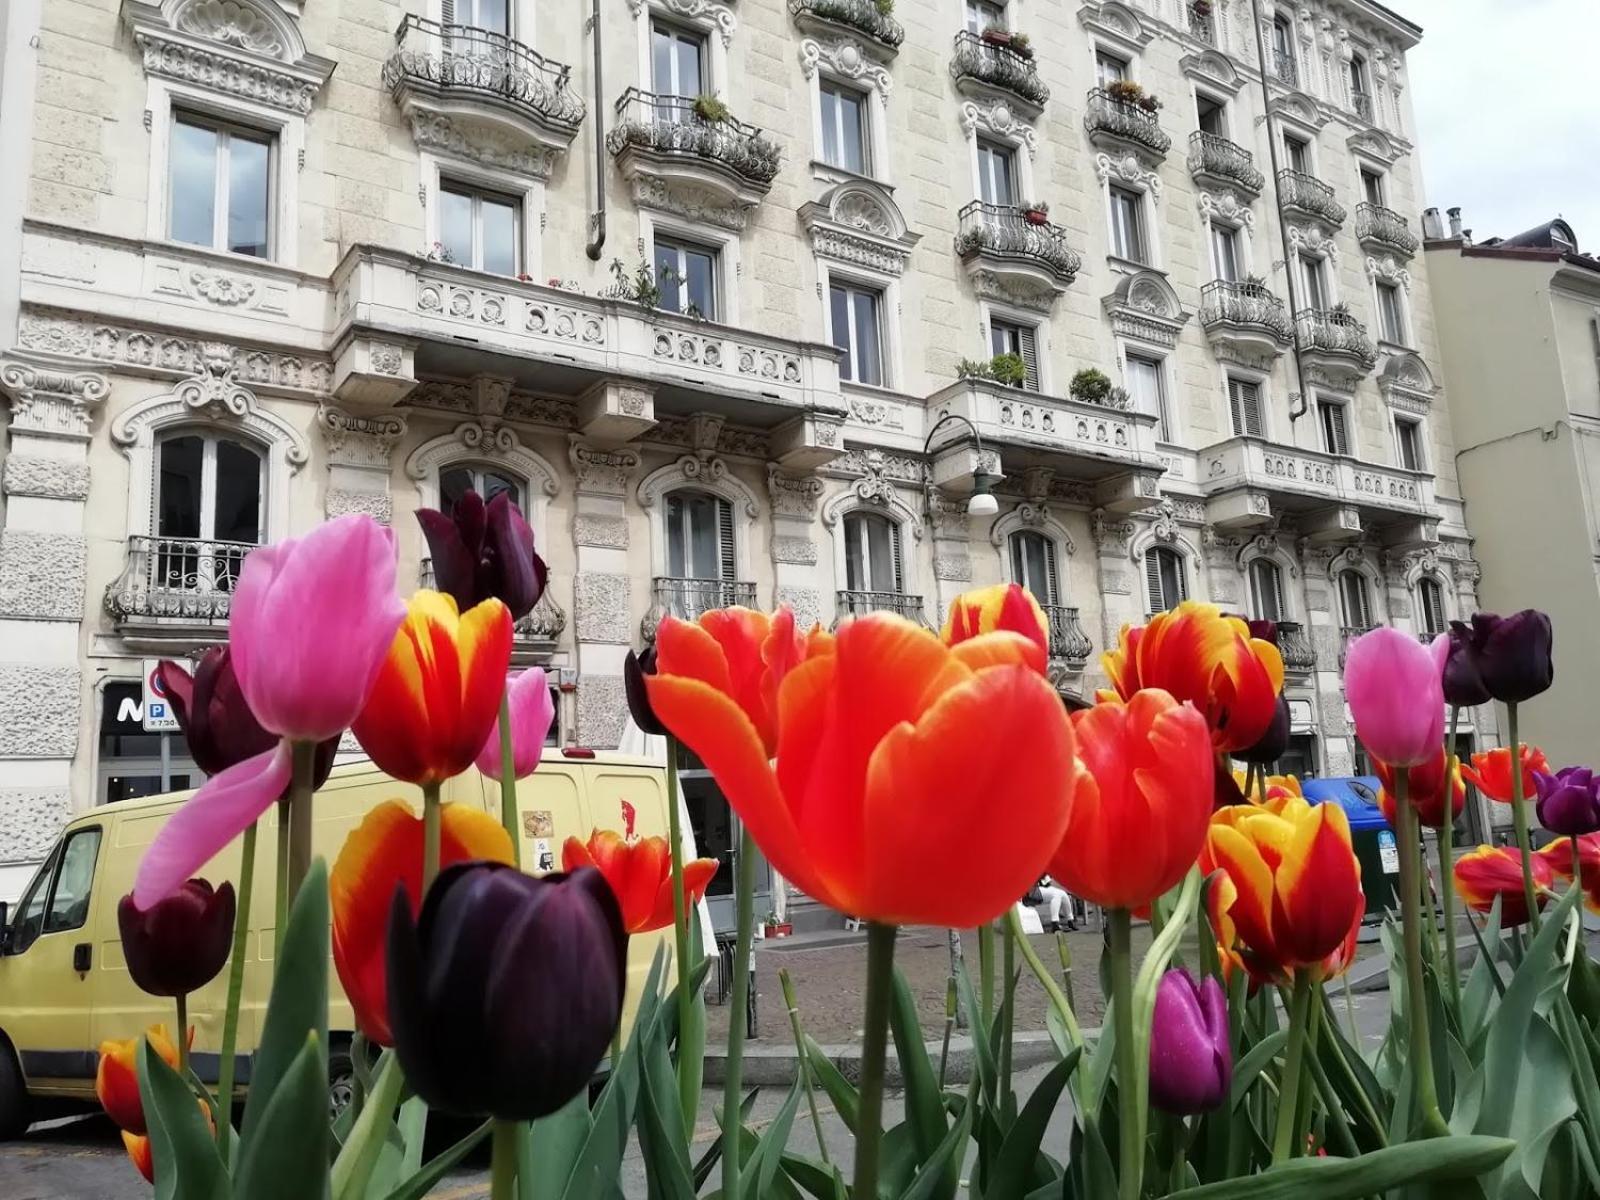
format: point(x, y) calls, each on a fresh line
point(775, 1066)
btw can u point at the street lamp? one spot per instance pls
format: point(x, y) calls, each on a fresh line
point(982, 502)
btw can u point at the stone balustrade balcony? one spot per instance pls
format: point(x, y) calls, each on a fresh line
point(1245, 315)
point(685, 139)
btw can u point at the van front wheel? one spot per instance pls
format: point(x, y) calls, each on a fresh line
point(341, 1082)
point(14, 1117)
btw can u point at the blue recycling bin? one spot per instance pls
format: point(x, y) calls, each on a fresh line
point(1370, 835)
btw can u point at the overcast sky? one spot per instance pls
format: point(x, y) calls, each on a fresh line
point(1507, 97)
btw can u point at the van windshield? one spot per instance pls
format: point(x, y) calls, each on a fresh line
point(30, 913)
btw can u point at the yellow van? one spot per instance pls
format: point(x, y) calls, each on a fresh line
point(65, 987)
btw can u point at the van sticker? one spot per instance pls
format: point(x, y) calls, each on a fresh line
point(544, 856)
point(539, 823)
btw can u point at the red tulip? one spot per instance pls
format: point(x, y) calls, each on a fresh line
point(1425, 790)
point(639, 871)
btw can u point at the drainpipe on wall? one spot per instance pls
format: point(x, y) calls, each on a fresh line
point(597, 219)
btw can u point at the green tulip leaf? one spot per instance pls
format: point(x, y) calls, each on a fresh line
point(1446, 1158)
point(841, 1092)
point(287, 1158)
point(763, 1166)
point(1253, 1063)
point(983, 1061)
point(1014, 1168)
point(183, 1149)
point(421, 1183)
point(820, 1180)
point(924, 1104)
point(937, 1175)
point(555, 1142)
point(359, 1154)
point(666, 1156)
point(713, 1155)
point(298, 1005)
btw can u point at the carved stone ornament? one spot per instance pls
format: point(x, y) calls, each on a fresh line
point(1144, 306)
point(343, 502)
point(1389, 270)
point(1226, 207)
point(602, 472)
point(1164, 525)
point(698, 470)
point(998, 119)
point(1111, 537)
point(684, 199)
point(216, 390)
point(859, 223)
point(482, 144)
point(876, 486)
point(354, 441)
point(1312, 239)
point(1010, 290)
point(483, 440)
point(793, 495)
point(51, 401)
point(1128, 168)
point(1407, 384)
point(707, 13)
point(843, 57)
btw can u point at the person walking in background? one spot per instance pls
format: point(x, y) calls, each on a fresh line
point(1057, 897)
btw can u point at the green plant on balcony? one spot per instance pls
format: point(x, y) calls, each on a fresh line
point(973, 368)
point(1022, 44)
point(885, 7)
point(639, 285)
point(1126, 91)
point(1008, 369)
point(708, 108)
point(1036, 212)
point(1091, 386)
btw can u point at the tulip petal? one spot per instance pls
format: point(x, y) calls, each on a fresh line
point(533, 710)
point(1252, 907)
point(1395, 690)
point(508, 545)
point(203, 826)
point(454, 565)
point(1316, 886)
point(998, 648)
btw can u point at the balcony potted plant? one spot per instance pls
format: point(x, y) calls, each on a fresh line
point(1022, 45)
point(969, 368)
point(996, 35)
point(1090, 386)
point(885, 7)
point(1124, 91)
point(1008, 369)
point(772, 927)
point(1149, 103)
point(710, 109)
point(1201, 8)
point(1036, 212)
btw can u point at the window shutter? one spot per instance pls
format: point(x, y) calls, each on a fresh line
point(1030, 359)
point(1052, 583)
point(1244, 402)
point(1432, 596)
point(725, 546)
point(1180, 572)
point(1275, 589)
point(1341, 436)
point(447, 12)
point(894, 554)
point(1152, 579)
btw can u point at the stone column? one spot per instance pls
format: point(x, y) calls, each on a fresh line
point(1121, 592)
point(1323, 626)
point(796, 580)
point(951, 528)
point(603, 625)
point(43, 569)
point(358, 461)
point(1224, 583)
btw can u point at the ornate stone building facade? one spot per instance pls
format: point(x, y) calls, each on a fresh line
point(277, 261)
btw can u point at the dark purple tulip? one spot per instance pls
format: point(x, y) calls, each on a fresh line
point(1569, 801)
point(1191, 1064)
point(1512, 654)
point(1272, 744)
point(1463, 686)
point(180, 942)
point(1266, 631)
point(634, 669)
point(481, 551)
point(505, 993)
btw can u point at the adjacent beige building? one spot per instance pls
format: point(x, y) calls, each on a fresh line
point(696, 279)
point(1519, 328)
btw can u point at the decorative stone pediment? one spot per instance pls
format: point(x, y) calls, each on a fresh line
point(1314, 239)
point(1406, 383)
point(250, 49)
point(1115, 23)
point(1145, 306)
point(859, 223)
point(487, 145)
point(1389, 270)
point(360, 441)
point(1300, 109)
point(1128, 168)
point(1213, 69)
point(843, 57)
point(706, 13)
point(998, 119)
point(876, 485)
point(1376, 145)
point(486, 442)
point(686, 200)
point(704, 471)
point(1227, 206)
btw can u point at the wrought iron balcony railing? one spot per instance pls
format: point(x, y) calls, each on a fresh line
point(1293, 643)
point(1310, 195)
point(1332, 331)
point(858, 603)
point(687, 599)
point(1348, 634)
point(1361, 102)
point(1004, 231)
point(180, 579)
point(1375, 223)
point(999, 65)
point(864, 16)
point(544, 623)
point(1284, 67)
point(466, 61)
point(1125, 119)
point(1068, 641)
point(1213, 154)
point(673, 125)
point(1244, 305)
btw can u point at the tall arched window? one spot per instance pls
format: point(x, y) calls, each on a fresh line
point(1266, 590)
point(700, 536)
point(1355, 600)
point(209, 493)
point(1166, 581)
point(1033, 565)
point(872, 553)
point(456, 481)
point(1430, 606)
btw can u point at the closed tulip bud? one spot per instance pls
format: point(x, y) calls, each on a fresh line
point(1191, 1061)
point(1511, 654)
point(1393, 686)
point(116, 1080)
point(1005, 606)
point(482, 551)
point(1426, 787)
point(1492, 873)
point(1463, 686)
point(1273, 743)
point(180, 943)
point(1491, 771)
point(1569, 801)
point(634, 670)
point(505, 992)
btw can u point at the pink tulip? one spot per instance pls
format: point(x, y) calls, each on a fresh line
point(1394, 686)
point(532, 711)
point(311, 623)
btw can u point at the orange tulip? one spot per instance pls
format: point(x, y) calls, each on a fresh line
point(893, 751)
point(438, 691)
point(741, 654)
point(1425, 790)
point(1199, 655)
point(1006, 606)
point(1141, 806)
point(639, 871)
point(1495, 872)
point(138, 1148)
point(116, 1081)
point(1297, 879)
point(1559, 855)
point(1490, 772)
point(381, 853)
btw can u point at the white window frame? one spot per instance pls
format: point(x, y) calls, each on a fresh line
point(1368, 594)
point(522, 18)
point(1243, 261)
point(1147, 226)
point(872, 122)
point(888, 288)
point(1363, 167)
point(1421, 609)
point(1186, 584)
point(1402, 314)
point(1057, 560)
point(714, 248)
point(842, 560)
point(436, 168)
point(209, 436)
point(1224, 108)
point(990, 312)
point(226, 133)
point(1420, 427)
point(1261, 382)
point(1329, 273)
point(1287, 18)
point(1022, 142)
point(1285, 612)
point(1020, 183)
point(1348, 406)
point(711, 20)
point(724, 242)
point(1287, 132)
point(478, 195)
point(1130, 62)
point(666, 536)
point(163, 98)
point(1005, 15)
point(1168, 416)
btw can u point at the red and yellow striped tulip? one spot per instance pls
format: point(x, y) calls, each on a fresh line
point(1198, 654)
point(138, 1148)
point(639, 872)
point(1425, 790)
point(1297, 881)
point(1141, 806)
point(1492, 873)
point(438, 692)
point(892, 752)
point(1005, 606)
point(380, 854)
point(116, 1080)
point(1559, 855)
point(741, 654)
point(1490, 772)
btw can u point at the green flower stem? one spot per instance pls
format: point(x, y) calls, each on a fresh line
point(1008, 1018)
point(301, 786)
point(745, 888)
point(801, 1062)
point(1416, 1001)
point(1283, 1139)
point(874, 1045)
point(1577, 864)
point(1178, 1178)
point(431, 835)
point(230, 1016)
point(281, 906)
point(1058, 998)
point(688, 1079)
point(952, 1004)
point(1519, 817)
point(508, 780)
point(1302, 1116)
point(183, 1033)
point(1447, 891)
point(986, 971)
point(503, 1170)
point(1120, 924)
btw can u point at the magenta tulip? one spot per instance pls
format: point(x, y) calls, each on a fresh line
point(1394, 686)
point(532, 711)
point(1191, 1060)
